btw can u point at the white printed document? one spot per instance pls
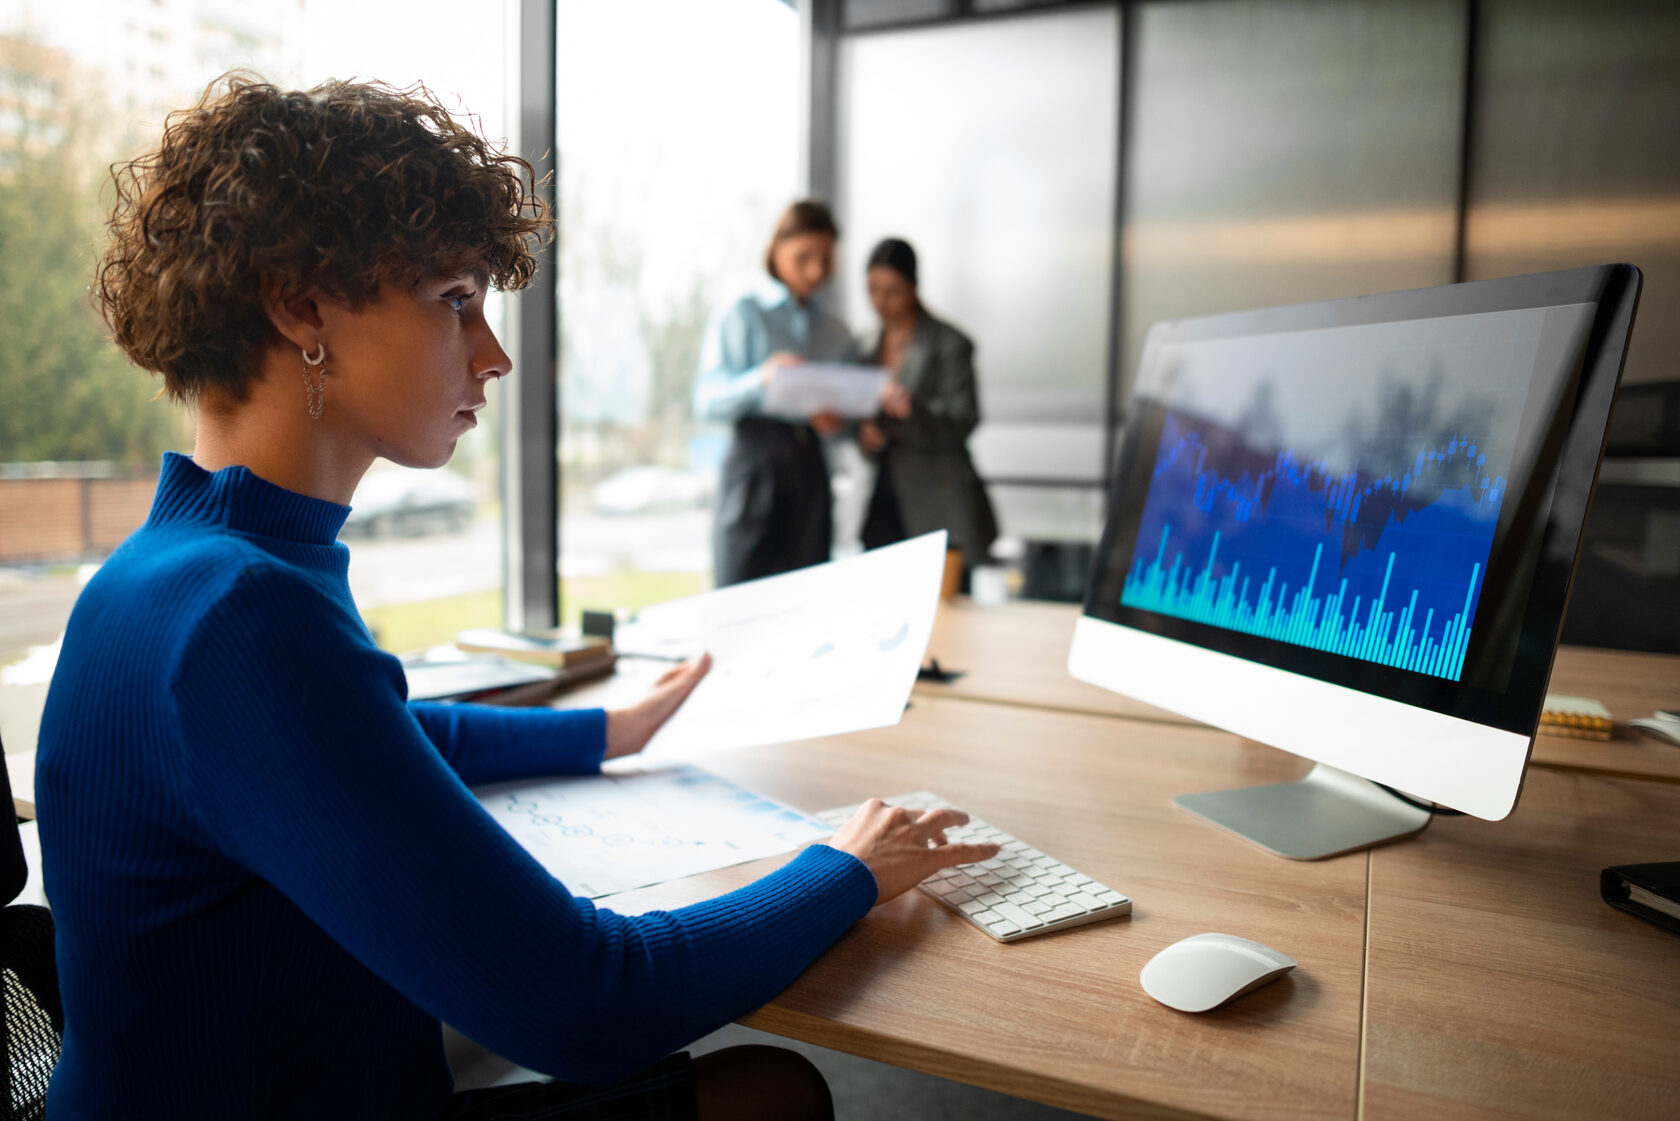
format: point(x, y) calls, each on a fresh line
point(828, 649)
point(602, 834)
point(799, 392)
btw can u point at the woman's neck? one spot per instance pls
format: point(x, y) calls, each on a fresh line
point(897, 328)
point(271, 434)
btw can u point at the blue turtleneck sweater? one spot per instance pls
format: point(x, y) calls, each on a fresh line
point(270, 880)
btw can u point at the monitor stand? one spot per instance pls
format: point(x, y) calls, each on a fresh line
point(1325, 814)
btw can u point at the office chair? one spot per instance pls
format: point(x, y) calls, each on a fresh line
point(33, 1025)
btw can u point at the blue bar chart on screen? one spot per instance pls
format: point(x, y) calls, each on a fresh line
point(1365, 535)
point(1388, 568)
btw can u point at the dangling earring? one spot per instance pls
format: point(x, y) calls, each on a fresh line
point(312, 390)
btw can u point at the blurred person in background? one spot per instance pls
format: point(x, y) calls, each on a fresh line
point(925, 480)
point(774, 505)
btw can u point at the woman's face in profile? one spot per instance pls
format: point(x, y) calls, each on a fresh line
point(892, 296)
point(804, 262)
point(408, 371)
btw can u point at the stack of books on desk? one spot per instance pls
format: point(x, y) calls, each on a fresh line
point(563, 651)
point(449, 675)
point(503, 668)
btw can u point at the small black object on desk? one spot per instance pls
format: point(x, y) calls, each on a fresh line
point(1651, 891)
point(932, 672)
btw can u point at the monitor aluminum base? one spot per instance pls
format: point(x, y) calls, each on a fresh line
point(1325, 814)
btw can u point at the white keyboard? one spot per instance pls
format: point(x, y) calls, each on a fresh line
point(1018, 893)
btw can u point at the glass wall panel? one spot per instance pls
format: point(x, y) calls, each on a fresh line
point(1574, 162)
point(991, 147)
point(84, 83)
point(679, 147)
point(426, 546)
point(883, 13)
point(1573, 153)
point(1288, 151)
point(988, 6)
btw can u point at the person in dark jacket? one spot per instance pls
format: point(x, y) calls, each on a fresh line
point(926, 480)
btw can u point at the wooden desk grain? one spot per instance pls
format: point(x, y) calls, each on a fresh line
point(1061, 1018)
point(1501, 986)
point(1016, 653)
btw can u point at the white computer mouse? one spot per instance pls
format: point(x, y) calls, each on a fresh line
point(1203, 971)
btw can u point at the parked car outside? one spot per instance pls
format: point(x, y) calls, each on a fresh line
point(651, 489)
point(409, 502)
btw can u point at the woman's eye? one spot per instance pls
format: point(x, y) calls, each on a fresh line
point(457, 301)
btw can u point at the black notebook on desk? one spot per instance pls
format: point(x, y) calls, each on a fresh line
point(1651, 891)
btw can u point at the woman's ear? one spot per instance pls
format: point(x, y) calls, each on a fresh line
point(297, 316)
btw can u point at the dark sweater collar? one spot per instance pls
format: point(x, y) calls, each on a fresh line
point(236, 498)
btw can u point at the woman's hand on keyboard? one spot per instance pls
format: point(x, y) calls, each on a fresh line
point(904, 847)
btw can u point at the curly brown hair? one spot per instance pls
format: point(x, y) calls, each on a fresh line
point(257, 192)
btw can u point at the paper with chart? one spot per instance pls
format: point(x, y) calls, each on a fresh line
point(801, 391)
point(606, 833)
point(828, 649)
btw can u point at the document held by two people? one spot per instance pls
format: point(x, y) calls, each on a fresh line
point(800, 392)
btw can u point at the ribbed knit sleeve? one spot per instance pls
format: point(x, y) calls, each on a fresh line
point(485, 743)
point(303, 763)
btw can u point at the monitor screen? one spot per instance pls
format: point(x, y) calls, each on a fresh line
point(1382, 496)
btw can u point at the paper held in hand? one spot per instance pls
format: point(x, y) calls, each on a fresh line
point(799, 392)
point(828, 649)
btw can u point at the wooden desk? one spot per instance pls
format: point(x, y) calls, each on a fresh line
point(1061, 1018)
point(1481, 978)
point(1469, 973)
point(1500, 985)
point(1016, 654)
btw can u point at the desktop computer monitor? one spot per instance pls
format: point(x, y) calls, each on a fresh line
point(1347, 529)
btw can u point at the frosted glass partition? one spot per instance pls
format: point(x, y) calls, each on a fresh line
point(1573, 160)
point(991, 147)
point(1289, 151)
point(882, 13)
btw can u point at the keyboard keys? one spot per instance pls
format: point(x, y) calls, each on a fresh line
point(1018, 893)
point(1017, 915)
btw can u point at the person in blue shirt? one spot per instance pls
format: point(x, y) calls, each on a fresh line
point(774, 505)
point(270, 879)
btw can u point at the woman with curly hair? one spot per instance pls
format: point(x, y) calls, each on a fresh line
point(270, 880)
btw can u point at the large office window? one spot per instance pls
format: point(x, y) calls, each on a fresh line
point(679, 146)
point(84, 83)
